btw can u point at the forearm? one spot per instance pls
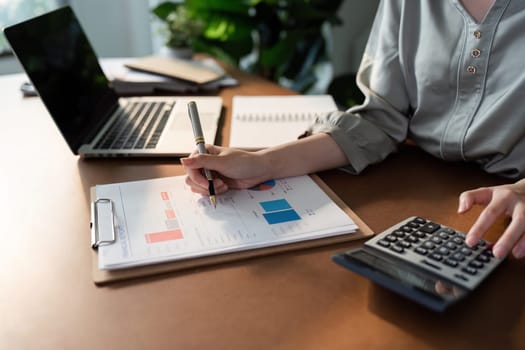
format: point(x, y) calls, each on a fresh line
point(308, 155)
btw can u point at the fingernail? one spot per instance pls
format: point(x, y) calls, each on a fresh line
point(461, 207)
point(497, 251)
point(518, 253)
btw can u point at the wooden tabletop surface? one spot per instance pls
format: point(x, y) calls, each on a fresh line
point(295, 300)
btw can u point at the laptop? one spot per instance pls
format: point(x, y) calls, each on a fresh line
point(65, 71)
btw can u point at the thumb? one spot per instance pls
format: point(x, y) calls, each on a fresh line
point(199, 161)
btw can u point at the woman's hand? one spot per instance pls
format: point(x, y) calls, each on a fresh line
point(235, 168)
point(498, 200)
point(232, 168)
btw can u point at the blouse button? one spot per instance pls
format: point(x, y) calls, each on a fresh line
point(475, 52)
point(471, 69)
point(477, 34)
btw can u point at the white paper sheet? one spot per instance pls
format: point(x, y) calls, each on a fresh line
point(162, 220)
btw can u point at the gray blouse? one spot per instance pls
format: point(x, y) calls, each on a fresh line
point(431, 73)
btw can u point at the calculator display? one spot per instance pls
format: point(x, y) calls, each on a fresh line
point(411, 278)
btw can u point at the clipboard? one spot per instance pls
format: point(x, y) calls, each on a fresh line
point(101, 277)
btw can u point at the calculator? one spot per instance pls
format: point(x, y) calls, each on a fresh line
point(424, 261)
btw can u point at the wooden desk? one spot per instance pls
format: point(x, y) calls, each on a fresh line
point(298, 300)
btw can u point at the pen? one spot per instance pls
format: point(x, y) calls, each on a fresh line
point(199, 141)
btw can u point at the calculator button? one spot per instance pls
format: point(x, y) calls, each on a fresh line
point(483, 258)
point(451, 263)
point(407, 229)
point(449, 231)
point(429, 227)
point(476, 264)
point(399, 233)
point(451, 245)
point(436, 256)
point(482, 243)
point(428, 245)
point(383, 243)
point(419, 220)
point(457, 275)
point(457, 240)
point(404, 244)
point(419, 234)
point(443, 235)
point(488, 253)
point(436, 239)
point(421, 250)
point(465, 251)
point(458, 257)
point(397, 249)
point(470, 270)
point(443, 251)
point(391, 238)
point(412, 239)
point(413, 224)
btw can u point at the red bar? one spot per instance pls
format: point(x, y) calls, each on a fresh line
point(164, 236)
point(170, 213)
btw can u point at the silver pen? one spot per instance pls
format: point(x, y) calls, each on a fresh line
point(199, 141)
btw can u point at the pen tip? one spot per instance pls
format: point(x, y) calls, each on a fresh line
point(213, 201)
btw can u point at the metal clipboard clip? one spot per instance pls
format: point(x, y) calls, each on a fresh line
point(102, 222)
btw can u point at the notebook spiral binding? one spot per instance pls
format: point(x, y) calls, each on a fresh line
point(278, 117)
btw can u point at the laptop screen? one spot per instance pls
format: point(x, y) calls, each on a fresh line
point(63, 67)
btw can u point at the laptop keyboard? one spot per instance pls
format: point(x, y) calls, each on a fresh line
point(137, 126)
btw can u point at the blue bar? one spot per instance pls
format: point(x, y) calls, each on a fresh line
point(278, 204)
point(279, 217)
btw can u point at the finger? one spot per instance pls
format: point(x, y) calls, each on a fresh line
point(519, 249)
point(487, 217)
point(441, 288)
point(480, 196)
point(195, 187)
point(510, 237)
point(220, 186)
point(190, 162)
point(203, 188)
point(197, 177)
point(212, 149)
point(200, 161)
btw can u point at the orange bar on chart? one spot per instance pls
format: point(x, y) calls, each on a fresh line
point(170, 213)
point(164, 236)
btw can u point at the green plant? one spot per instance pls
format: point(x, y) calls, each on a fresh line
point(282, 40)
point(180, 25)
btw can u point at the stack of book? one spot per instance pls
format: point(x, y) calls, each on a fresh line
point(154, 74)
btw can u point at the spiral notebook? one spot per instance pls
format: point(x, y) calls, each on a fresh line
point(264, 121)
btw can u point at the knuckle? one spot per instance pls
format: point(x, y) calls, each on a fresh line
point(492, 211)
point(506, 195)
point(519, 216)
point(464, 195)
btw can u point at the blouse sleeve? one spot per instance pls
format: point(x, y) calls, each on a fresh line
point(370, 132)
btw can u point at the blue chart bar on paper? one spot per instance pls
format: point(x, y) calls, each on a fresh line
point(278, 204)
point(278, 217)
point(279, 211)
